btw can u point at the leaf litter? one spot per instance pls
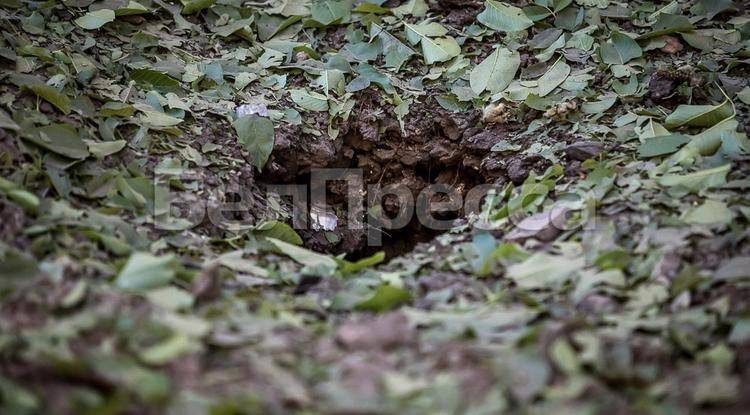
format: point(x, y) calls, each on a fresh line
point(609, 273)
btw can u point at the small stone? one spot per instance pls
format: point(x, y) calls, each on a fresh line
point(249, 109)
point(517, 171)
point(584, 150)
point(482, 142)
point(673, 45)
point(544, 226)
point(322, 219)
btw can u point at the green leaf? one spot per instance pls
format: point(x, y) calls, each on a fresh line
point(157, 119)
point(659, 146)
point(370, 8)
point(368, 75)
point(311, 101)
point(102, 149)
point(327, 12)
point(39, 52)
point(744, 95)
point(96, 19)
point(667, 24)
point(708, 141)
point(651, 129)
point(564, 356)
point(53, 96)
point(132, 8)
point(496, 72)
point(536, 13)
point(7, 122)
point(555, 76)
point(348, 267)
point(256, 134)
point(439, 49)
point(699, 180)
point(26, 200)
point(156, 79)
point(114, 244)
point(133, 196)
point(543, 270)
point(115, 108)
point(386, 297)
point(503, 17)
point(396, 52)
point(16, 268)
point(145, 384)
point(270, 25)
point(699, 115)
point(194, 6)
point(710, 8)
point(62, 139)
point(237, 26)
point(416, 8)
point(144, 271)
point(711, 212)
point(620, 49)
point(600, 106)
point(331, 79)
point(278, 230)
point(484, 245)
point(415, 32)
point(304, 256)
point(166, 351)
point(171, 298)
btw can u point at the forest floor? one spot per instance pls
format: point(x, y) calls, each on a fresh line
point(374, 207)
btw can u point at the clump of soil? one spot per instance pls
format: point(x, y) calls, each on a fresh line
point(458, 13)
point(665, 81)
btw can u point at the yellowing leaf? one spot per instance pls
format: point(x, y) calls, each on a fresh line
point(53, 96)
point(385, 298)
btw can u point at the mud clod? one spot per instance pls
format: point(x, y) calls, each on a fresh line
point(584, 150)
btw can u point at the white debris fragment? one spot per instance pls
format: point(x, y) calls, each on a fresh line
point(249, 109)
point(323, 219)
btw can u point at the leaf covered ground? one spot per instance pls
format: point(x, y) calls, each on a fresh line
point(610, 273)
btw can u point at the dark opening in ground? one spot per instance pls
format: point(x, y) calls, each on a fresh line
point(447, 150)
